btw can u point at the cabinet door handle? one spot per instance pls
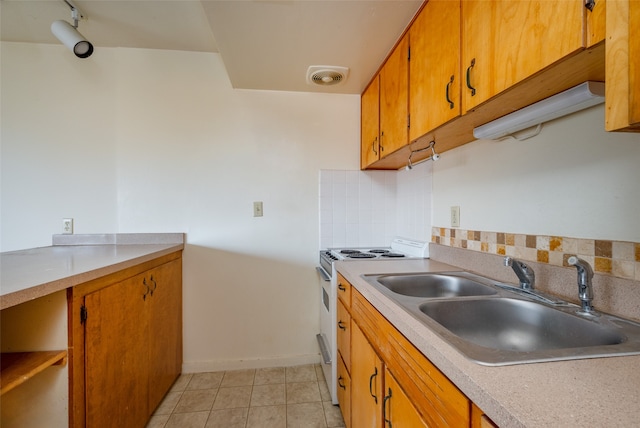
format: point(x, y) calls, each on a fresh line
point(384, 409)
point(147, 289)
point(373, 145)
point(342, 287)
point(155, 285)
point(590, 4)
point(375, 397)
point(380, 146)
point(447, 93)
point(473, 90)
point(341, 383)
point(341, 326)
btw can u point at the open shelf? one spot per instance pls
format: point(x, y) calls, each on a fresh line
point(18, 367)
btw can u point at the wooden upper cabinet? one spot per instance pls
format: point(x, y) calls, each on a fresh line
point(370, 124)
point(596, 22)
point(505, 41)
point(394, 100)
point(622, 103)
point(434, 67)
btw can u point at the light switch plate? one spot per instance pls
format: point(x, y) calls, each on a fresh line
point(455, 216)
point(257, 209)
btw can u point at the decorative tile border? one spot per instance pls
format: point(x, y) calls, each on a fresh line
point(618, 258)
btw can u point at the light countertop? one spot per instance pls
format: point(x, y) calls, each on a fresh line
point(592, 392)
point(74, 259)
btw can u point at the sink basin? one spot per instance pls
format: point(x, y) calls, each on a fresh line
point(503, 330)
point(494, 323)
point(518, 325)
point(434, 285)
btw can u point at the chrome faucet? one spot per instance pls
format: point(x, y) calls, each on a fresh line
point(585, 289)
point(525, 274)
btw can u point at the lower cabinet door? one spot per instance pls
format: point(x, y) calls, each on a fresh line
point(116, 354)
point(397, 410)
point(165, 329)
point(344, 391)
point(366, 382)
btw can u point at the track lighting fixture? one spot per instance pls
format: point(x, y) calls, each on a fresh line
point(69, 36)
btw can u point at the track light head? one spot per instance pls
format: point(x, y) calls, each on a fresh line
point(72, 39)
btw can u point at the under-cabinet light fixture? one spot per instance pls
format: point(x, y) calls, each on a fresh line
point(70, 36)
point(579, 97)
point(434, 156)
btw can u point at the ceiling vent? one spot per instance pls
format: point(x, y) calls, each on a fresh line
point(326, 75)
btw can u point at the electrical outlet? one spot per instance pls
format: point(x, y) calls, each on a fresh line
point(455, 216)
point(257, 209)
point(67, 226)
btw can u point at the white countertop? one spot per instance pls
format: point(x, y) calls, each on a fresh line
point(602, 392)
point(29, 274)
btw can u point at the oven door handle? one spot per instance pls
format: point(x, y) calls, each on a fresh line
point(325, 276)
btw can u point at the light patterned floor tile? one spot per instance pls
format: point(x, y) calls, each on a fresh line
point(205, 380)
point(305, 415)
point(188, 420)
point(196, 401)
point(238, 378)
point(303, 392)
point(228, 418)
point(269, 376)
point(301, 374)
point(267, 417)
point(229, 398)
point(268, 395)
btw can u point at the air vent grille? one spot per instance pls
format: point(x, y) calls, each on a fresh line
point(326, 75)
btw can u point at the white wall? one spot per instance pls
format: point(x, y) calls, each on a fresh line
point(573, 179)
point(57, 144)
point(173, 148)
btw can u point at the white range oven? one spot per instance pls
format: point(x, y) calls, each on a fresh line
point(400, 248)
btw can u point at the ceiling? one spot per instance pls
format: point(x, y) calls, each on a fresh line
point(264, 44)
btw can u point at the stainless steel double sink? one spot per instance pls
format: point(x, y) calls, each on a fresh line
point(493, 323)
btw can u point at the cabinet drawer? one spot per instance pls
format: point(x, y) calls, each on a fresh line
point(344, 334)
point(344, 391)
point(344, 291)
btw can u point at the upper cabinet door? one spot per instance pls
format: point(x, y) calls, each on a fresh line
point(394, 100)
point(370, 124)
point(622, 103)
point(506, 41)
point(434, 67)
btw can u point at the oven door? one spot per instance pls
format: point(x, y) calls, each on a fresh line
point(327, 337)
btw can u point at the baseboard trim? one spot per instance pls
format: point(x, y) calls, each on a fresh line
point(256, 363)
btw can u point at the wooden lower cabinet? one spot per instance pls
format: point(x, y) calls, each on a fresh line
point(366, 382)
point(392, 383)
point(344, 391)
point(126, 344)
point(397, 408)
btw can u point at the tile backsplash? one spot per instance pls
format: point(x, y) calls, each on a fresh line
point(370, 208)
point(617, 258)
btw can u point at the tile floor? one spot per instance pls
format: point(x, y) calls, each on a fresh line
point(283, 397)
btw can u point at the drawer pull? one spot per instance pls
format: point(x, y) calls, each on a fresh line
point(384, 409)
point(342, 287)
point(473, 90)
point(341, 325)
point(447, 93)
point(375, 397)
point(341, 383)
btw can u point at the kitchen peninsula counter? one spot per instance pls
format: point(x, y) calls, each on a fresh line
point(75, 259)
point(589, 392)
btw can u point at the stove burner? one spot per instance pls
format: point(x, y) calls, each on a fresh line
point(393, 255)
point(350, 251)
point(379, 251)
point(359, 255)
